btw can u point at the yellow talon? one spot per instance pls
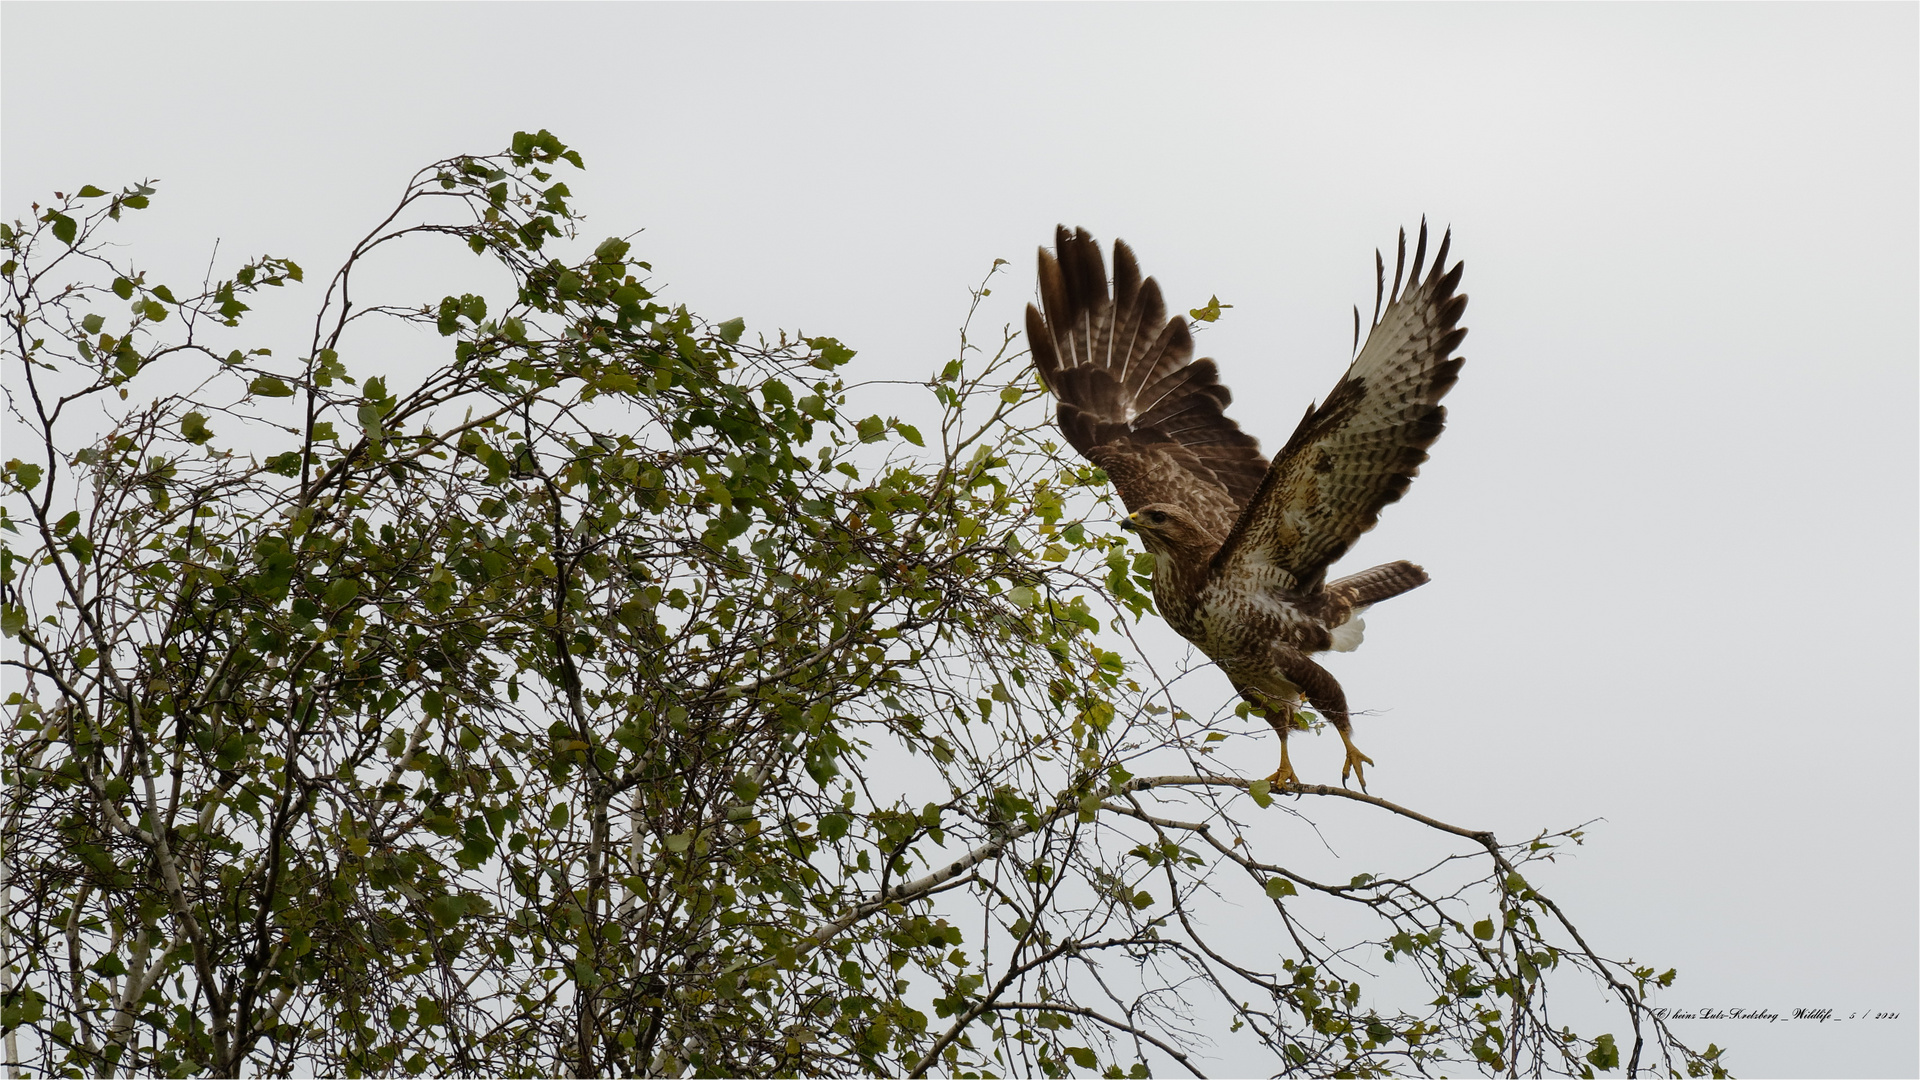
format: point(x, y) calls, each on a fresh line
point(1284, 775)
point(1355, 759)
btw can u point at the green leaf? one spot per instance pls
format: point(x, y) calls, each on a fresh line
point(342, 592)
point(1483, 929)
point(612, 250)
point(123, 288)
point(447, 910)
point(1210, 313)
point(67, 523)
point(832, 353)
point(615, 381)
point(1604, 1055)
point(1260, 790)
point(1083, 1057)
point(13, 619)
point(909, 433)
point(268, 386)
point(193, 428)
point(731, 330)
point(679, 842)
point(88, 191)
point(28, 1008)
point(1278, 887)
point(154, 311)
point(64, 227)
point(24, 474)
point(92, 324)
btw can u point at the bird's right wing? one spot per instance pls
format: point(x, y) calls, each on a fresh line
point(1131, 397)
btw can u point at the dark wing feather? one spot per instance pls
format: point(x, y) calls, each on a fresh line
point(1360, 449)
point(1132, 398)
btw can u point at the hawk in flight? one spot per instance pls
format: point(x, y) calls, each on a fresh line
point(1241, 545)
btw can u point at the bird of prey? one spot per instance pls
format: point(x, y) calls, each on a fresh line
point(1241, 546)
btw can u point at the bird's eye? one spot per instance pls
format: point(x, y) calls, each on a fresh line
point(1157, 518)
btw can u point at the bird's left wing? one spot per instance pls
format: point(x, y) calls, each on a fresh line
point(1361, 447)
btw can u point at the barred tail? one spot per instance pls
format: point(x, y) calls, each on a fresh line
point(1380, 583)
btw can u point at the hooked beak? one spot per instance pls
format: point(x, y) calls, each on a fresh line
point(1131, 523)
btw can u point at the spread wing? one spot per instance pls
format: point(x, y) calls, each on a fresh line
point(1132, 398)
point(1360, 449)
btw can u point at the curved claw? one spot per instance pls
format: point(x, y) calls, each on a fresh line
point(1355, 761)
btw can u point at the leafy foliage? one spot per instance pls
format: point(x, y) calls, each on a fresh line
point(607, 696)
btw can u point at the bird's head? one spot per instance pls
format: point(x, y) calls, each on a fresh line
point(1168, 529)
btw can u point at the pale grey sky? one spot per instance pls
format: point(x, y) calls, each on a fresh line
point(1671, 525)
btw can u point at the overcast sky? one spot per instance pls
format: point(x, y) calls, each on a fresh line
point(1671, 525)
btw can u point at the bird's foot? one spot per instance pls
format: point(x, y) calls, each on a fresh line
point(1284, 775)
point(1354, 763)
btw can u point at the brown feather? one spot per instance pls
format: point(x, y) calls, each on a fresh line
point(1131, 397)
point(1379, 287)
point(1419, 253)
point(1362, 447)
point(1377, 584)
point(1399, 264)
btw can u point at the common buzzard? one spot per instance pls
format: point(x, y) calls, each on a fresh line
point(1242, 546)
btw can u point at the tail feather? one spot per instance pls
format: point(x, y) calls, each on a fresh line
point(1380, 583)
